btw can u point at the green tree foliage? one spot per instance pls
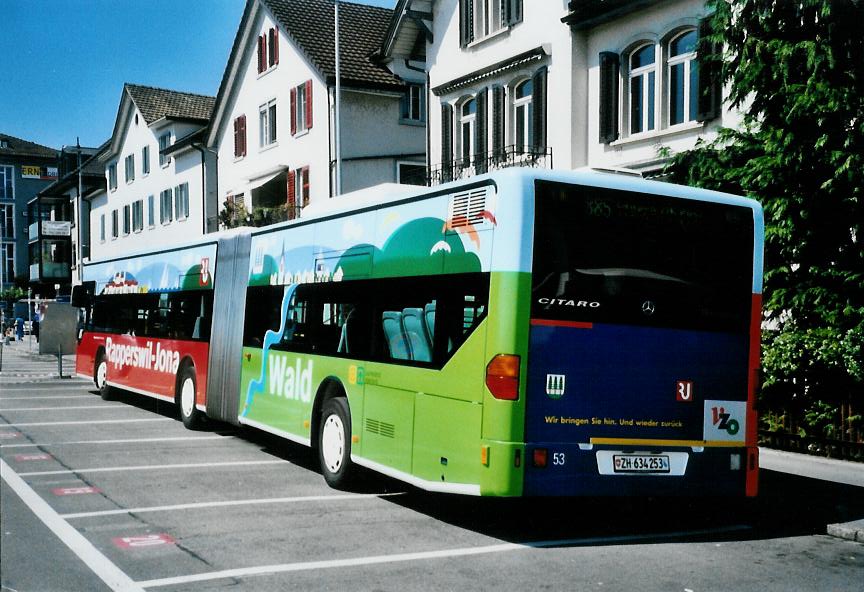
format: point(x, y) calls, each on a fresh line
point(795, 69)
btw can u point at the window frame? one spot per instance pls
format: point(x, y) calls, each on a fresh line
point(467, 130)
point(181, 202)
point(138, 215)
point(129, 168)
point(145, 160)
point(647, 76)
point(127, 219)
point(115, 224)
point(8, 218)
point(164, 142)
point(151, 211)
point(526, 119)
point(267, 130)
point(112, 176)
point(7, 182)
point(166, 205)
point(102, 228)
point(408, 114)
point(689, 94)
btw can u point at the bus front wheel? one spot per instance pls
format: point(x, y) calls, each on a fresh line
point(334, 443)
point(101, 378)
point(191, 416)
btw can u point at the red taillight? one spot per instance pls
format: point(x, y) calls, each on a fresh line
point(541, 456)
point(502, 377)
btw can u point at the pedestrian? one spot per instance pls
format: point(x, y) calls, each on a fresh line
point(19, 328)
point(34, 326)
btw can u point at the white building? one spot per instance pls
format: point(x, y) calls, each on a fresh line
point(600, 83)
point(274, 124)
point(160, 178)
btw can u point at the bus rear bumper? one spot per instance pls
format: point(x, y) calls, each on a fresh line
point(555, 469)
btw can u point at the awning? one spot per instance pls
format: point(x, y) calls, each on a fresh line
point(266, 177)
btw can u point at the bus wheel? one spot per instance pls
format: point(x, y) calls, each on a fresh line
point(334, 443)
point(101, 378)
point(191, 416)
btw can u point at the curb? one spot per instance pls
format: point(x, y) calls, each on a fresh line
point(851, 531)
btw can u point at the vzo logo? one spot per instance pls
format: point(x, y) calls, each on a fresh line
point(722, 420)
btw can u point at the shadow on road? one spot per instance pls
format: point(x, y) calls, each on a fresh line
point(787, 506)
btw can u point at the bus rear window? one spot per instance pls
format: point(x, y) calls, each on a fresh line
point(612, 256)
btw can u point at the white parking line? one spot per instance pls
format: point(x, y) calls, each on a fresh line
point(424, 556)
point(88, 422)
point(157, 467)
point(109, 573)
point(103, 406)
point(248, 502)
point(90, 396)
point(120, 441)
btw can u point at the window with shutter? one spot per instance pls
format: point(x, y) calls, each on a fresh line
point(292, 196)
point(497, 120)
point(710, 84)
point(293, 94)
point(609, 67)
point(305, 187)
point(308, 104)
point(446, 134)
point(271, 54)
point(480, 141)
point(538, 82)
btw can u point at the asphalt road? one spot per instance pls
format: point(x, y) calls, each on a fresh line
point(118, 495)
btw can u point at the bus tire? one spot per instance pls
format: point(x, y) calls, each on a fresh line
point(192, 418)
point(334, 443)
point(100, 377)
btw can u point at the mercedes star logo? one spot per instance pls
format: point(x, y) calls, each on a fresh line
point(648, 308)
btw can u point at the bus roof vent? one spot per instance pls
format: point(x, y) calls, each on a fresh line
point(467, 208)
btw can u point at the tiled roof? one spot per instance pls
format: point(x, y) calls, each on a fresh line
point(156, 103)
point(361, 30)
point(18, 147)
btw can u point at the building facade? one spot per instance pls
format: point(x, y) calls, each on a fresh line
point(62, 239)
point(160, 178)
point(25, 169)
point(597, 83)
point(275, 125)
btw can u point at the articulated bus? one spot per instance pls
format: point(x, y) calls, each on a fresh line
point(523, 332)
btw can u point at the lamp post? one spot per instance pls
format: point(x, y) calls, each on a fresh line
point(338, 183)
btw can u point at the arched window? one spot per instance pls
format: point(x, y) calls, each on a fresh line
point(683, 78)
point(643, 76)
point(523, 115)
point(467, 120)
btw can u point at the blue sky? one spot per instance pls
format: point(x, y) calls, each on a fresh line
point(65, 61)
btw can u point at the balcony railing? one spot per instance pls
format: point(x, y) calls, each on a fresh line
point(463, 168)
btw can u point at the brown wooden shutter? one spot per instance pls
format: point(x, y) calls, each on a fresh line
point(236, 137)
point(539, 100)
point(292, 198)
point(710, 85)
point(262, 57)
point(276, 44)
point(305, 181)
point(609, 66)
point(242, 135)
point(293, 111)
point(308, 104)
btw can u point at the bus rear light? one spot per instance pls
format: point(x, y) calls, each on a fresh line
point(541, 456)
point(502, 377)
